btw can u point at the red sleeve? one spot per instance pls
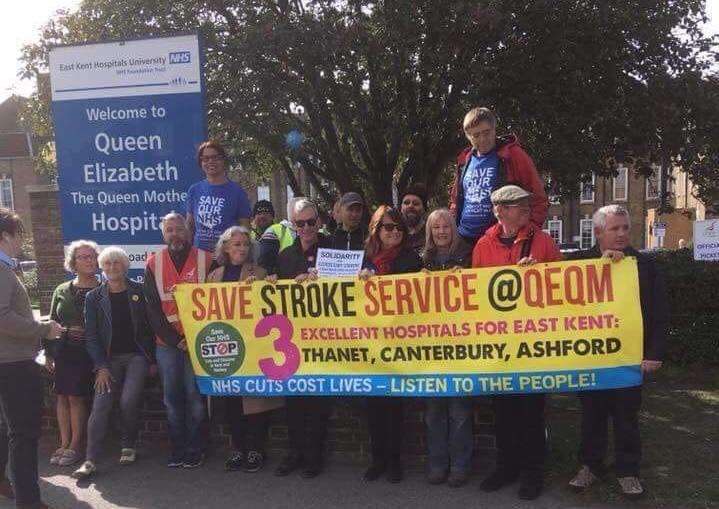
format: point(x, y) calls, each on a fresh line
point(477, 256)
point(528, 177)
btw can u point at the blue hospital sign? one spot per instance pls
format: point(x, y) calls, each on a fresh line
point(129, 117)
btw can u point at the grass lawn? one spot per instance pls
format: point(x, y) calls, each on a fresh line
point(680, 434)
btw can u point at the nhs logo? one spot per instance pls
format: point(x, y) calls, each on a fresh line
point(180, 57)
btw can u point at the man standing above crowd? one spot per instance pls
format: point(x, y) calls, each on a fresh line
point(489, 164)
point(179, 262)
point(611, 229)
point(21, 380)
point(215, 203)
point(351, 231)
point(263, 215)
point(413, 206)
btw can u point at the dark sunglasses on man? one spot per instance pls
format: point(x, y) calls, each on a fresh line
point(309, 222)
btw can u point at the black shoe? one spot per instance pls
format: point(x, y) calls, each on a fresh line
point(497, 480)
point(289, 464)
point(530, 487)
point(193, 460)
point(175, 460)
point(394, 473)
point(235, 462)
point(254, 462)
point(312, 469)
point(374, 471)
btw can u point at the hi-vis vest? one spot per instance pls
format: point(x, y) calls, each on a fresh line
point(284, 234)
point(166, 277)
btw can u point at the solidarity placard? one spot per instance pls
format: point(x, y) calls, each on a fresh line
point(555, 327)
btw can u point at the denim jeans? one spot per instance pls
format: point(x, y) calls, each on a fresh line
point(449, 434)
point(183, 402)
point(128, 373)
point(21, 393)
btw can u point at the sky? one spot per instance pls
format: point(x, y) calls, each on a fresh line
point(21, 24)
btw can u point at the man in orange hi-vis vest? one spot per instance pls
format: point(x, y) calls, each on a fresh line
point(179, 262)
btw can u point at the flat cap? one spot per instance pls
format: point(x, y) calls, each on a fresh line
point(509, 194)
point(350, 199)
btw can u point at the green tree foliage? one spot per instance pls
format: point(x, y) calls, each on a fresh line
point(378, 89)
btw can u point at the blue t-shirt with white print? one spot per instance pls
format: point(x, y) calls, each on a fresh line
point(479, 180)
point(215, 208)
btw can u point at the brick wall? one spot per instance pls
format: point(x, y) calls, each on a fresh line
point(347, 433)
point(47, 237)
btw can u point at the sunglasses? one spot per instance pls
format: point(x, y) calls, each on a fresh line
point(301, 224)
point(215, 157)
point(390, 227)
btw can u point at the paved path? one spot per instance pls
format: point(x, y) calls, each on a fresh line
point(150, 485)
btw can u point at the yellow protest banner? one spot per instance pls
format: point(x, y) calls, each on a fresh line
point(564, 326)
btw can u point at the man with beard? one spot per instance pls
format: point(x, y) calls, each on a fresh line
point(413, 205)
point(179, 262)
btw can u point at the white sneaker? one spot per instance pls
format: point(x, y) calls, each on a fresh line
point(584, 479)
point(631, 487)
point(86, 470)
point(128, 456)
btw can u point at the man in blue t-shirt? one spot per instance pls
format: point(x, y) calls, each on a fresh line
point(478, 182)
point(216, 203)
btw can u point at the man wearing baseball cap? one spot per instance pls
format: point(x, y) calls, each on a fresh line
point(351, 230)
point(519, 418)
point(263, 216)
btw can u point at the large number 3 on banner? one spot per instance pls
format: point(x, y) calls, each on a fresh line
point(282, 344)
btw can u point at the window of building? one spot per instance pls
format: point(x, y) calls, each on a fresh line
point(652, 184)
point(621, 182)
point(587, 191)
point(554, 229)
point(263, 192)
point(6, 193)
point(586, 232)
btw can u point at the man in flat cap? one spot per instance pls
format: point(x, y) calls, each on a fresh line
point(519, 418)
point(351, 230)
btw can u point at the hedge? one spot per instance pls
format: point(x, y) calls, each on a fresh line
point(693, 293)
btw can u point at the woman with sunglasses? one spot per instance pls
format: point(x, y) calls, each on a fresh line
point(387, 251)
point(306, 415)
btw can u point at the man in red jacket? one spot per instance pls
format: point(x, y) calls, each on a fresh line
point(519, 418)
point(489, 164)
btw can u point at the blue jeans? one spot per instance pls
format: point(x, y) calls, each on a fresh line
point(128, 382)
point(449, 434)
point(183, 402)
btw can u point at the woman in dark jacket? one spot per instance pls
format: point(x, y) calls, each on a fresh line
point(120, 342)
point(387, 252)
point(306, 415)
point(448, 420)
point(68, 358)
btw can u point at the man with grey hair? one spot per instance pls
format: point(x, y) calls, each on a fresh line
point(179, 262)
point(611, 229)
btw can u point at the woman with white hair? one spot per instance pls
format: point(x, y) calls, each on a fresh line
point(249, 418)
point(68, 358)
point(120, 342)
